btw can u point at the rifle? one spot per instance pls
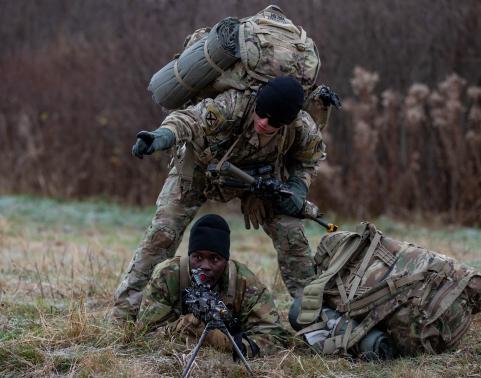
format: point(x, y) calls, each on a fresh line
point(268, 187)
point(206, 305)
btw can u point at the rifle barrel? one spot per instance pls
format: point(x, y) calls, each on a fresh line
point(237, 172)
point(312, 211)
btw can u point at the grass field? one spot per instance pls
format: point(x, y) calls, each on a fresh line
point(60, 263)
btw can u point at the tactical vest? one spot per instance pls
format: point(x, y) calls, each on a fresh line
point(422, 299)
point(185, 160)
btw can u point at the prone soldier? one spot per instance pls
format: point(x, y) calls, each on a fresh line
point(256, 327)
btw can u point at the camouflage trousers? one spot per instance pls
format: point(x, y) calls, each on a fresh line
point(175, 210)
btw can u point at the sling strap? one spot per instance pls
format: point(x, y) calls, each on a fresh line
point(362, 268)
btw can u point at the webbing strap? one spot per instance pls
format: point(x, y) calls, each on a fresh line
point(244, 54)
point(280, 149)
point(313, 293)
point(347, 335)
point(303, 36)
point(385, 290)
point(180, 80)
point(341, 288)
point(210, 61)
point(363, 267)
point(374, 317)
point(352, 336)
point(184, 274)
point(447, 300)
point(246, 120)
point(332, 344)
point(231, 290)
point(229, 151)
point(185, 168)
point(311, 328)
point(386, 256)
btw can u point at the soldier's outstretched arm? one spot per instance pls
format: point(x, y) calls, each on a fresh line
point(207, 117)
point(150, 141)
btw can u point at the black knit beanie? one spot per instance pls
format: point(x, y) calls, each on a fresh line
point(210, 233)
point(281, 99)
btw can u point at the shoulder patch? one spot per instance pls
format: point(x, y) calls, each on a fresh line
point(213, 119)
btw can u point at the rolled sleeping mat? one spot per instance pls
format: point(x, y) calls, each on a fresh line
point(197, 66)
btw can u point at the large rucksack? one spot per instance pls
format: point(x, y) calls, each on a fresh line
point(241, 54)
point(422, 300)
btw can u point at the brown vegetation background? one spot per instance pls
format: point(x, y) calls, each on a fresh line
point(73, 78)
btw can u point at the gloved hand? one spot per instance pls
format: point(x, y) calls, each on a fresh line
point(217, 339)
point(190, 326)
point(150, 141)
point(247, 346)
point(255, 210)
point(293, 204)
point(329, 97)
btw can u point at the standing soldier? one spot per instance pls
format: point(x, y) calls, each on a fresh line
point(265, 133)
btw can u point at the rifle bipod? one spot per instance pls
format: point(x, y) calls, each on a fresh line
point(213, 324)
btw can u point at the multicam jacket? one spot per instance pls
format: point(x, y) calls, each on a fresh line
point(255, 310)
point(213, 126)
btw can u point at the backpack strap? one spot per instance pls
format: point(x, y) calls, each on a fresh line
point(230, 296)
point(245, 121)
point(184, 274)
point(373, 318)
point(280, 152)
point(386, 290)
point(385, 255)
point(313, 293)
point(446, 296)
point(362, 268)
point(341, 288)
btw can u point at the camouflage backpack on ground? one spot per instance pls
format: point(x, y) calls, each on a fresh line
point(422, 300)
point(241, 54)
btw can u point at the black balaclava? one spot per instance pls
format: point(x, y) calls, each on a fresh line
point(210, 233)
point(280, 100)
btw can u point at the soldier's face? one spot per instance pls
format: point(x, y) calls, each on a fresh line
point(211, 263)
point(262, 126)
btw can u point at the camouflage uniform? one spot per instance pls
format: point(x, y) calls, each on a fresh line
point(257, 314)
point(209, 129)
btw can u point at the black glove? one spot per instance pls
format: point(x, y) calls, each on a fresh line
point(249, 349)
point(329, 97)
point(293, 204)
point(150, 141)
